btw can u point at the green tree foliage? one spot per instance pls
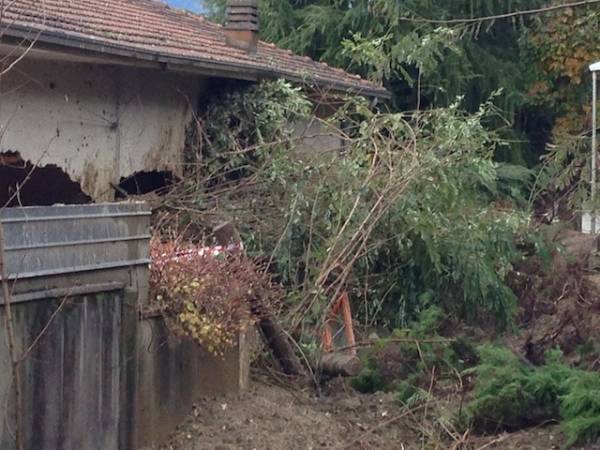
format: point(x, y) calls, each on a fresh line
point(454, 60)
point(559, 48)
point(407, 215)
point(244, 127)
point(539, 61)
point(441, 240)
point(511, 394)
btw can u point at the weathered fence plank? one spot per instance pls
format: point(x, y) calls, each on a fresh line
point(100, 377)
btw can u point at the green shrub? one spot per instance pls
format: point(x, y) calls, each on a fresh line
point(580, 407)
point(408, 392)
point(403, 362)
point(369, 380)
point(510, 394)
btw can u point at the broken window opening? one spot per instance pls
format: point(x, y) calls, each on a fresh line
point(25, 184)
point(145, 182)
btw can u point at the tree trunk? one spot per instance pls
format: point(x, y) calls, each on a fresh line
point(277, 339)
point(340, 364)
point(279, 343)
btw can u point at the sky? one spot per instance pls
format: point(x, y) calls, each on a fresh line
point(192, 5)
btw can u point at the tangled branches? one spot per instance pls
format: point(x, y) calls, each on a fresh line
point(410, 211)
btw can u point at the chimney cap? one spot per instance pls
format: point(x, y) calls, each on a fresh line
point(241, 28)
point(242, 15)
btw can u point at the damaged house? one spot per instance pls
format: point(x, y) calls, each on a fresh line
point(106, 89)
point(96, 97)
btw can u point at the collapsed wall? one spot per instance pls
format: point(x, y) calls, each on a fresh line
point(96, 123)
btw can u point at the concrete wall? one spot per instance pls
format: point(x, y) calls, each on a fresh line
point(173, 373)
point(100, 122)
point(313, 137)
point(97, 122)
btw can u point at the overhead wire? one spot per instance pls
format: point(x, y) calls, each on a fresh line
point(526, 12)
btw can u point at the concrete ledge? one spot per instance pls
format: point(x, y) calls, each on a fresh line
point(172, 373)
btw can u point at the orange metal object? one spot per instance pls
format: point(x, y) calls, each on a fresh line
point(341, 305)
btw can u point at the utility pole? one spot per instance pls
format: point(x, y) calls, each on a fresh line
point(594, 68)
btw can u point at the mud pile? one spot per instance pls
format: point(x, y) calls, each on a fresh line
point(560, 300)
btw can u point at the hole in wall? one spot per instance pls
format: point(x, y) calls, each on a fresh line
point(24, 184)
point(145, 182)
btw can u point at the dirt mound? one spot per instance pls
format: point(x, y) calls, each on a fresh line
point(273, 417)
point(270, 417)
point(560, 301)
point(392, 363)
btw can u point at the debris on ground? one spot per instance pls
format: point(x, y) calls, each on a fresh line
point(272, 417)
point(560, 304)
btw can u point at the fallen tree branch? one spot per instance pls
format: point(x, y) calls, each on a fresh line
point(339, 364)
point(275, 336)
point(398, 340)
point(277, 340)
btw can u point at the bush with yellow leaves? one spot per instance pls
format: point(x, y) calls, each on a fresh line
point(206, 296)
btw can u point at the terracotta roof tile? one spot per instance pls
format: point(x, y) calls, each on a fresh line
point(151, 28)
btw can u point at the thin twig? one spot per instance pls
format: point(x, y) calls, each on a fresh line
point(494, 441)
point(399, 340)
point(41, 334)
point(431, 383)
point(526, 12)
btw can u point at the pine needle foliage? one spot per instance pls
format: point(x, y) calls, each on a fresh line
point(373, 38)
point(580, 407)
point(510, 394)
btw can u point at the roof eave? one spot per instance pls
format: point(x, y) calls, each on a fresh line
point(201, 66)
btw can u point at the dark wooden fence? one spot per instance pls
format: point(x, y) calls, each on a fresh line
point(99, 377)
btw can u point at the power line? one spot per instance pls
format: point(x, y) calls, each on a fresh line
point(526, 12)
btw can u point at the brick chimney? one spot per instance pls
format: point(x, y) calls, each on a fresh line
point(241, 29)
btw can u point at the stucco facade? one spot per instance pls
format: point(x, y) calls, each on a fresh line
point(315, 137)
point(97, 122)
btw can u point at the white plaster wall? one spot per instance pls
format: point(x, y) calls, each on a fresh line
point(155, 109)
point(97, 122)
point(313, 137)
